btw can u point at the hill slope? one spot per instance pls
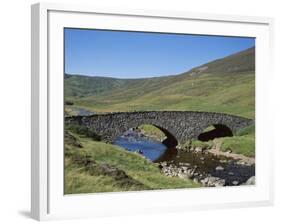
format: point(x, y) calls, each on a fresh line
point(224, 85)
point(93, 166)
point(243, 61)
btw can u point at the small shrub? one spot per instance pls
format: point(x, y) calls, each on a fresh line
point(68, 103)
point(93, 135)
point(83, 130)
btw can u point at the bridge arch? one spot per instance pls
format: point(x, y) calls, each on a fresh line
point(170, 140)
point(215, 131)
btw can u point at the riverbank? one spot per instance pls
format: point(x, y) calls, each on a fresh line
point(241, 158)
point(212, 163)
point(240, 147)
point(93, 166)
point(215, 148)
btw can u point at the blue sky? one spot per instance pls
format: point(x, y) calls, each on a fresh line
point(137, 54)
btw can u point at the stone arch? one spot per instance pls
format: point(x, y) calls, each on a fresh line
point(219, 130)
point(169, 141)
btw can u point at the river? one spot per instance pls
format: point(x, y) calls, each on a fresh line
point(206, 164)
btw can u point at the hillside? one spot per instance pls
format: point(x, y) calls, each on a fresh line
point(243, 61)
point(224, 85)
point(93, 166)
point(81, 86)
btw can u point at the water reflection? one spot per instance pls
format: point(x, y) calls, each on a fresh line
point(152, 150)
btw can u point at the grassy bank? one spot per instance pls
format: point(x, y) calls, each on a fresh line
point(242, 143)
point(152, 131)
point(94, 166)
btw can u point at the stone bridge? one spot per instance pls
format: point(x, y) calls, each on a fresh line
point(178, 126)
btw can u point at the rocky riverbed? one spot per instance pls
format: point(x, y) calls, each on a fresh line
point(228, 173)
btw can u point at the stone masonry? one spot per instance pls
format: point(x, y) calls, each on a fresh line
point(179, 125)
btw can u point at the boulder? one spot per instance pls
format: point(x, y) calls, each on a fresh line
point(251, 181)
point(219, 168)
point(184, 175)
point(198, 150)
point(213, 182)
point(196, 180)
point(235, 182)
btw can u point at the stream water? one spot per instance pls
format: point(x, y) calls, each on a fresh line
point(152, 150)
point(206, 164)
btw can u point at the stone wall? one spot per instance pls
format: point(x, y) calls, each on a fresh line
point(182, 125)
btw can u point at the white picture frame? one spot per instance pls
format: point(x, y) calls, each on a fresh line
point(48, 201)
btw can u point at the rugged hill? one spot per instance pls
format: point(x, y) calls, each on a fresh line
point(224, 85)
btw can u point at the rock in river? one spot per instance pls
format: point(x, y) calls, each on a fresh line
point(251, 181)
point(198, 150)
point(213, 182)
point(219, 168)
point(235, 182)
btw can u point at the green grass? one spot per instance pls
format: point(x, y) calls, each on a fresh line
point(144, 174)
point(227, 85)
point(83, 130)
point(233, 94)
point(242, 143)
point(240, 62)
point(239, 144)
point(250, 131)
point(152, 131)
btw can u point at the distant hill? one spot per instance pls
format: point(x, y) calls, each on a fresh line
point(243, 61)
point(224, 85)
point(77, 85)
